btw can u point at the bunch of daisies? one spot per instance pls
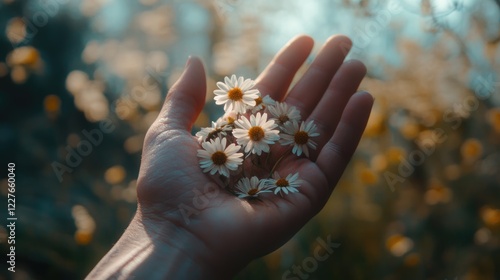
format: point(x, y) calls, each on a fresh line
point(237, 146)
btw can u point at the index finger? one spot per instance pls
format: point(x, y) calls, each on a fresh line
point(278, 75)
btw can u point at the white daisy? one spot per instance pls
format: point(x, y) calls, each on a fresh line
point(286, 185)
point(236, 94)
point(284, 113)
point(228, 118)
point(251, 187)
point(216, 157)
point(299, 137)
point(262, 103)
point(256, 134)
point(208, 133)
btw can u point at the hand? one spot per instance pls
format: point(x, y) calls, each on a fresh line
point(181, 210)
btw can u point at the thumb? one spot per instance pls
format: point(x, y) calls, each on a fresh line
point(186, 98)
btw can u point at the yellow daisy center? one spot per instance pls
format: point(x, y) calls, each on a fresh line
point(256, 133)
point(301, 137)
point(258, 101)
point(282, 182)
point(235, 94)
point(283, 119)
point(219, 158)
point(253, 191)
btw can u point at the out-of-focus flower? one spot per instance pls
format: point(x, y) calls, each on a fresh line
point(115, 174)
point(395, 154)
point(379, 162)
point(92, 52)
point(85, 225)
point(26, 56)
point(76, 81)
point(52, 105)
point(19, 74)
point(83, 237)
point(367, 176)
point(134, 144)
point(399, 245)
point(16, 30)
point(482, 236)
point(90, 7)
point(409, 130)
point(375, 125)
point(437, 193)
point(471, 150)
point(452, 171)
point(490, 216)
point(494, 119)
point(126, 108)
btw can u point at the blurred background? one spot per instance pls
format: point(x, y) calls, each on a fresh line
point(81, 81)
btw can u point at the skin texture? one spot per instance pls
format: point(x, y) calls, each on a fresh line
point(186, 226)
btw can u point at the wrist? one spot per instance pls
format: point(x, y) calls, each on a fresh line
point(156, 250)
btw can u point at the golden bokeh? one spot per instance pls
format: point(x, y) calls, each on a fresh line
point(19, 74)
point(26, 56)
point(85, 225)
point(399, 245)
point(490, 216)
point(76, 81)
point(368, 176)
point(494, 119)
point(83, 237)
point(52, 105)
point(410, 130)
point(16, 30)
point(395, 154)
point(115, 174)
point(133, 144)
point(375, 125)
point(379, 162)
point(437, 193)
point(471, 150)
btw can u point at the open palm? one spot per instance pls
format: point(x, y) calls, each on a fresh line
point(174, 192)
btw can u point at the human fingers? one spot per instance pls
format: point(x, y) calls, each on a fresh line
point(311, 87)
point(329, 109)
point(186, 98)
point(337, 152)
point(276, 78)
